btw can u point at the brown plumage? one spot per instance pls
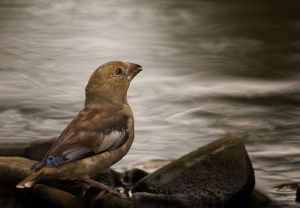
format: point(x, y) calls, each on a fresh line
point(100, 135)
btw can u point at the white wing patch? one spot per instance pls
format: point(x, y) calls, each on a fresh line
point(112, 140)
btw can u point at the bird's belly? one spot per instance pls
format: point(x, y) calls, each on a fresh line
point(92, 165)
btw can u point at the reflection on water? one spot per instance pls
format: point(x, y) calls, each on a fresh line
point(211, 68)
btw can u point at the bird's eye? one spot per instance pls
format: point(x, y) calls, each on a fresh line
point(118, 72)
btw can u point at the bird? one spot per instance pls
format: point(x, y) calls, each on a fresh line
point(99, 136)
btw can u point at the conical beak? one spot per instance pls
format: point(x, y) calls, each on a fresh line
point(132, 70)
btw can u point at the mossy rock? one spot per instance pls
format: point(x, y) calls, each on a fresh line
point(219, 174)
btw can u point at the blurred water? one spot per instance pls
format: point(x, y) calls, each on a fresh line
point(210, 68)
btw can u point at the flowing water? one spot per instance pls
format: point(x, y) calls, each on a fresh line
point(210, 68)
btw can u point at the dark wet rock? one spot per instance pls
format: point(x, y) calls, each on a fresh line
point(37, 149)
point(13, 170)
point(110, 201)
point(219, 174)
point(298, 195)
point(47, 196)
point(34, 150)
point(71, 186)
point(69, 194)
point(133, 176)
point(42, 195)
point(13, 150)
point(109, 177)
point(259, 200)
point(52, 193)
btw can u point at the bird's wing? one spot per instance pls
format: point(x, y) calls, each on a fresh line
point(93, 131)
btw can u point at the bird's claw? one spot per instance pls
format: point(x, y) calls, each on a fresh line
point(101, 193)
point(104, 189)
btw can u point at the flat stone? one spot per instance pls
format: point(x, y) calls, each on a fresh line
point(219, 174)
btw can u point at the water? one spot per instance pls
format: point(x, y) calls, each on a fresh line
point(210, 68)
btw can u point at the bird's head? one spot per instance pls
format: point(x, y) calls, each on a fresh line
point(110, 82)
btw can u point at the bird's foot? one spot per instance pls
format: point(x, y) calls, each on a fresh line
point(88, 183)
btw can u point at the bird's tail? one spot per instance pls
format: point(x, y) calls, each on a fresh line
point(32, 179)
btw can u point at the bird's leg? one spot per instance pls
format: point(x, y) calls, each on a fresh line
point(88, 182)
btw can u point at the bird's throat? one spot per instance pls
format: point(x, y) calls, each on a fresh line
point(103, 100)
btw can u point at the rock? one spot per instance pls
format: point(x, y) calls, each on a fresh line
point(37, 149)
point(219, 174)
point(71, 186)
point(52, 197)
point(49, 196)
point(109, 177)
point(13, 150)
point(34, 150)
point(110, 201)
point(298, 195)
point(259, 200)
point(13, 170)
point(133, 176)
point(68, 194)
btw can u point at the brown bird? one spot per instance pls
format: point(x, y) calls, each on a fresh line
point(99, 136)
